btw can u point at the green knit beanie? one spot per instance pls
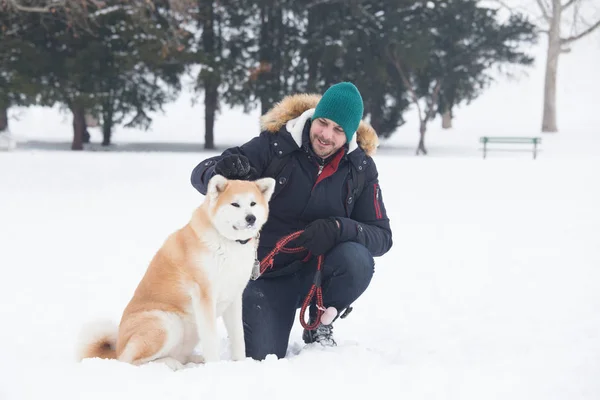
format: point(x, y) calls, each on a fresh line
point(342, 104)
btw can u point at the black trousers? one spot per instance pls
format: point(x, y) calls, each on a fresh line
point(270, 304)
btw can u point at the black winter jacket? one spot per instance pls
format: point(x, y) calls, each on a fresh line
point(306, 189)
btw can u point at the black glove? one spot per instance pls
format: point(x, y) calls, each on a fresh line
point(319, 236)
point(236, 166)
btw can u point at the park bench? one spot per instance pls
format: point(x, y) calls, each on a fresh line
point(534, 141)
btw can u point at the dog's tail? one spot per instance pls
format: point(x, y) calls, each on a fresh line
point(98, 340)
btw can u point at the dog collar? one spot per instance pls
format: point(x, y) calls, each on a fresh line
point(243, 241)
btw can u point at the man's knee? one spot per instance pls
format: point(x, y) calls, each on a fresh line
point(348, 269)
point(351, 258)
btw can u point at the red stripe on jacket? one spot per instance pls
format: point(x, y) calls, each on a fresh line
point(378, 214)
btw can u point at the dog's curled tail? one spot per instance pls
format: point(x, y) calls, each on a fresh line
point(98, 340)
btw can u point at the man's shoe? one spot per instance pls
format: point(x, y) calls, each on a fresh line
point(323, 334)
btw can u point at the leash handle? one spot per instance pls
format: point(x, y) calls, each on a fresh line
point(314, 290)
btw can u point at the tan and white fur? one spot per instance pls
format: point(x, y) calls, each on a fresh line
point(197, 276)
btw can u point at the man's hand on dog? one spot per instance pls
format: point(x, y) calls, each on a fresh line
point(320, 236)
point(236, 166)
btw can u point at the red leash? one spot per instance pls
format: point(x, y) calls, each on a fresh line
point(315, 289)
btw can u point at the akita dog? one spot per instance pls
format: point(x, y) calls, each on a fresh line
point(197, 275)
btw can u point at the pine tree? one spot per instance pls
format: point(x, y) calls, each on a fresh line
point(19, 68)
point(115, 69)
point(142, 68)
point(446, 53)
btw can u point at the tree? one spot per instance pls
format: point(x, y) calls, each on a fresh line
point(20, 68)
point(279, 42)
point(74, 12)
point(209, 21)
point(446, 51)
point(250, 54)
point(558, 14)
point(346, 41)
point(3, 118)
point(114, 70)
point(226, 50)
point(77, 13)
point(141, 72)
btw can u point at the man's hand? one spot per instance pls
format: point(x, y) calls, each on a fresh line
point(236, 166)
point(320, 236)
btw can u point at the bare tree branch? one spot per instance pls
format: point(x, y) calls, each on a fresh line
point(319, 2)
point(503, 4)
point(522, 8)
point(545, 10)
point(49, 6)
point(370, 16)
point(586, 32)
point(405, 80)
point(75, 12)
point(16, 5)
point(81, 14)
point(569, 4)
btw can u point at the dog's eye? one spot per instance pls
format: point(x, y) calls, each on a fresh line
point(235, 204)
point(252, 204)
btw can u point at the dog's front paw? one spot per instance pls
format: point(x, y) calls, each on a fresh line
point(238, 353)
point(170, 362)
point(196, 359)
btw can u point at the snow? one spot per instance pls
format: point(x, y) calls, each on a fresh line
point(490, 290)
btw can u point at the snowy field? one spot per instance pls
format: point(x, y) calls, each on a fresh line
point(490, 291)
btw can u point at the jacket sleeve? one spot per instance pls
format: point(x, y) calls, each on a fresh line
point(257, 150)
point(369, 224)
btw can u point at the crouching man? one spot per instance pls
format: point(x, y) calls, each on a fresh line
point(319, 151)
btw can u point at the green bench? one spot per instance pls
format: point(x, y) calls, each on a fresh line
point(534, 141)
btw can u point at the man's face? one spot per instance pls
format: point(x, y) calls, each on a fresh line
point(326, 137)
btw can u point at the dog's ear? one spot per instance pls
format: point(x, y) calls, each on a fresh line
point(266, 187)
point(216, 185)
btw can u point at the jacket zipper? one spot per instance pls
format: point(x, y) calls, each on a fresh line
point(318, 173)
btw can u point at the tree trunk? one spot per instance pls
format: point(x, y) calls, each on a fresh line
point(86, 135)
point(549, 116)
point(447, 119)
point(210, 80)
point(270, 53)
point(422, 129)
point(106, 133)
point(312, 57)
point(3, 118)
point(107, 125)
point(211, 96)
point(78, 127)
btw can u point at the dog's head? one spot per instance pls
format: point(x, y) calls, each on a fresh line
point(239, 209)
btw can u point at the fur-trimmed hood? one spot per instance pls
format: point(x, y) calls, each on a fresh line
point(299, 107)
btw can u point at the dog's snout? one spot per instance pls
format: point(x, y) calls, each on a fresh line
point(250, 219)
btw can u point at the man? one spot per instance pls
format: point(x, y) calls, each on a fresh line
point(327, 186)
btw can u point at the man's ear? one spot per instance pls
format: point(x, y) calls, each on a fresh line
point(266, 187)
point(216, 186)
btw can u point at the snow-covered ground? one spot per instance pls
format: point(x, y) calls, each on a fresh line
point(490, 290)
